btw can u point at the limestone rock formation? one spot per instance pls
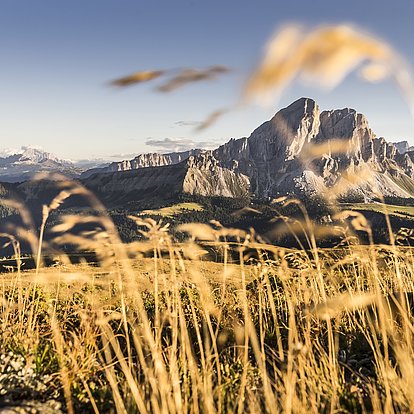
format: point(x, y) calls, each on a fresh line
point(270, 154)
point(403, 147)
point(144, 161)
point(197, 175)
point(304, 151)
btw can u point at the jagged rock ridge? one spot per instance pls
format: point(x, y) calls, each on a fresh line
point(403, 147)
point(200, 175)
point(144, 161)
point(304, 151)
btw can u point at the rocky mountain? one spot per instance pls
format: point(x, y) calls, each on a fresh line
point(301, 150)
point(31, 155)
point(403, 147)
point(21, 165)
point(143, 161)
point(198, 175)
point(305, 151)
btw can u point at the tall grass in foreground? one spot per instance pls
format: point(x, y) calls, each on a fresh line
point(155, 328)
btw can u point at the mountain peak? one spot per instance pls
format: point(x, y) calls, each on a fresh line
point(23, 164)
point(299, 108)
point(31, 154)
point(403, 147)
point(38, 155)
point(307, 103)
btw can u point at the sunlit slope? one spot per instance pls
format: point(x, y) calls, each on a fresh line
point(406, 212)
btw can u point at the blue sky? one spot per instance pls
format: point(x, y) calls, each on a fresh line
point(58, 56)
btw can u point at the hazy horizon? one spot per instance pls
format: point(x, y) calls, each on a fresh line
point(59, 58)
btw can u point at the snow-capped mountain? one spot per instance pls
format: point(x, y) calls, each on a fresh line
point(23, 164)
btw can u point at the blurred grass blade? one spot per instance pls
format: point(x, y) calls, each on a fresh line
point(137, 77)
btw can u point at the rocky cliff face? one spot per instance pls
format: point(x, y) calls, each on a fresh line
point(269, 155)
point(300, 151)
point(205, 176)
point(197, 175)
point(403, 147)
point(304, 151)
point(144, 161)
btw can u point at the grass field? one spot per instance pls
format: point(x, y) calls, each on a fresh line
point(173, 210)
point(157, 326)
point(392, 210)
point(153, 327)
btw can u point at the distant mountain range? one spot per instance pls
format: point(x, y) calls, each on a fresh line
point(301, 151)
point(23, 164)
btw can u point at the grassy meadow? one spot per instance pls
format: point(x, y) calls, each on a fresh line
point(154, 326)
point(175, 209)
point(217, 320)
point(406, 212)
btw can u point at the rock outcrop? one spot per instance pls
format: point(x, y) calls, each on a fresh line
point(270, 154)
point(403, 147)
point(304, 151)
point(197, 175)
point(144, 161)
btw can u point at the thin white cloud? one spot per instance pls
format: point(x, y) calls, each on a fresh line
point(123, 156)
point(178, 144)
point(187, 123)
